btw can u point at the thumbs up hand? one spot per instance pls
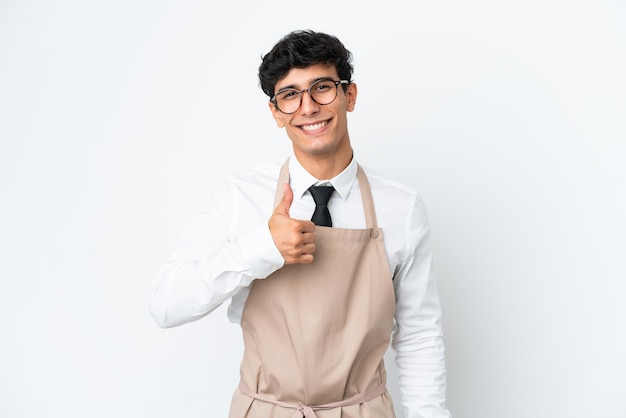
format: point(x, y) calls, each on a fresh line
point(295, 239)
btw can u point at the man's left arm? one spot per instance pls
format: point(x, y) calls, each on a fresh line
point(417, 338)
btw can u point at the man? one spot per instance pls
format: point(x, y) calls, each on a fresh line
point(298, 249)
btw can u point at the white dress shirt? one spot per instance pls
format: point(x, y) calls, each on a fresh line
point(227, 245)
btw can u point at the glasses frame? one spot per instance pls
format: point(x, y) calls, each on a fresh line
point(308, 90)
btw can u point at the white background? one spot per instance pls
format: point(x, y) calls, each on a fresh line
point(509, 117)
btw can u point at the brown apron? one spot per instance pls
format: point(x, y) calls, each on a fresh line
point(315, 334)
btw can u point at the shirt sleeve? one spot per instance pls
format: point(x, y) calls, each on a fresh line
point(417, 338)
point(210, 264)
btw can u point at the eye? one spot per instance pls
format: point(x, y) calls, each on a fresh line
point(324, 85)
point(288, 94)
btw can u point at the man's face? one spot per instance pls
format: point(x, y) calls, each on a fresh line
point(316, 130)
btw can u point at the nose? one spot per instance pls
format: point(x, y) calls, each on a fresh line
point(308, 106)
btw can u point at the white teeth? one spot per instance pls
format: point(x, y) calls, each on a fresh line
point(314, 126)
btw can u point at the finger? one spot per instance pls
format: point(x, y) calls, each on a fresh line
point(285, 202)
point(308, 237)
point(302, 259)
point(307, 227)
point(308, 248)
point(306, 259)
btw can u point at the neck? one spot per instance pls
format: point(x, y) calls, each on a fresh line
point(325, 167)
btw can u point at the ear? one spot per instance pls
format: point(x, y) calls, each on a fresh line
point(351, 93)
point(276, 115)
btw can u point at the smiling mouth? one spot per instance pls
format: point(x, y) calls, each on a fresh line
point(314, 126)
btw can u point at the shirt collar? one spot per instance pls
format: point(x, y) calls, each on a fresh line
point(300, 179)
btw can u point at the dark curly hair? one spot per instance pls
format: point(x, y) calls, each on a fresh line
point(301, 49)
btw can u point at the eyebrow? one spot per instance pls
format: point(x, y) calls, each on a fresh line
point(295, 87)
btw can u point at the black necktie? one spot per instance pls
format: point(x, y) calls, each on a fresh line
point(321, 194)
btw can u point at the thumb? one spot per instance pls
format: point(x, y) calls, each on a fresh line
point(285, 203)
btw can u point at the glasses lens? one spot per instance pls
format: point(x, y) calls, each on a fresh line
point(288, 101)
point(324, 91)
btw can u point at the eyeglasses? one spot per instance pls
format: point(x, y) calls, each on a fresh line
point(322, 92)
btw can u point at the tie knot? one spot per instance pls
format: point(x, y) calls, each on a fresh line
point(321, 194)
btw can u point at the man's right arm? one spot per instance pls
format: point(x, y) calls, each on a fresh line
point(211, 262)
